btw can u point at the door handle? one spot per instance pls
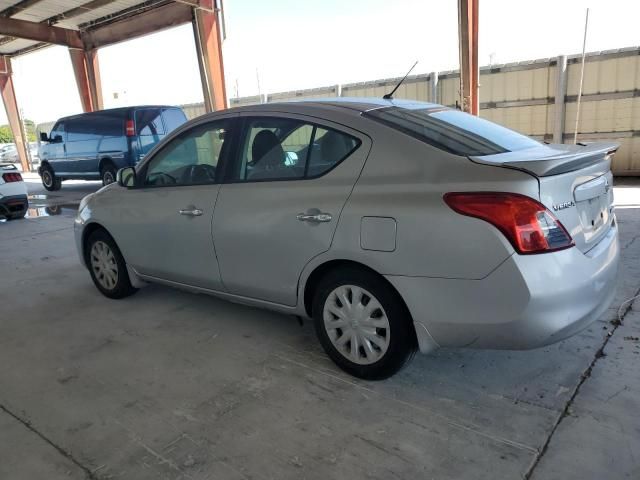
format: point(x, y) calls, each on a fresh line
point(190, 212)
point(317, 217)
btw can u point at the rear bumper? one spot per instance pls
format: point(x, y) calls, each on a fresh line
point(13, 205)
point(527, 302)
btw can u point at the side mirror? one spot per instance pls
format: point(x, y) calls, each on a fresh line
point(57, 139)
point(44, 137)
point(126, 177)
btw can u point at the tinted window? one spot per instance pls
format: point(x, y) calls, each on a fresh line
point(82, 128)
point(453, 131)
point(286, 149)
point(58, 129)
point(328, 149)
point(149, 122)
point(191, 158)
point(110, 126)
point(173, 118)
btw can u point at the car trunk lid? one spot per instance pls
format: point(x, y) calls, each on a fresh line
point(574, 182)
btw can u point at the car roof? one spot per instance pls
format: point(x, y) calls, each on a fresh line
point(358, 104)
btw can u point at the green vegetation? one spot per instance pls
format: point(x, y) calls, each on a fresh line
point(7, 137)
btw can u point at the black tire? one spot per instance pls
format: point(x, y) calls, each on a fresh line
point(108, 173)
point(121, 286)
point(49, 179)
point(402, 343)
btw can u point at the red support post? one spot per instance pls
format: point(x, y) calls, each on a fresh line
point(13, 112)
point(468, 12)
point(206, 28)
point(87, 72)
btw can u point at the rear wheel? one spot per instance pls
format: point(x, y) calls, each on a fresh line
point(363, 324)
point(108, 173)
point(49, 179)
point(107, 266)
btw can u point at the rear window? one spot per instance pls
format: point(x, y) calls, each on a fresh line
point(149, 122)
point(453, 131)
point(173, 118)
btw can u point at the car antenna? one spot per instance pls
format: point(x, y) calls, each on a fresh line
point(389, 96)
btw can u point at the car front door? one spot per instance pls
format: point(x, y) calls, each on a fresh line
point(164, 224)
point(280, 204)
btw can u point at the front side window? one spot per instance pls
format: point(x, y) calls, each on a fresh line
point(57, 131)
point(192, 158)
point(287, 149)
point(453, 131)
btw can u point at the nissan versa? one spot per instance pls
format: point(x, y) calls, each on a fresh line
point(395, 225)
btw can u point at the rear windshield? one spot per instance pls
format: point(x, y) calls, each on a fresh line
point(453, 131)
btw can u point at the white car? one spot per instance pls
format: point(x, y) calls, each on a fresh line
point(13, 193)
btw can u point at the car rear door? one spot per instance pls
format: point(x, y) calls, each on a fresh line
point(282, 199)
point(164, 223)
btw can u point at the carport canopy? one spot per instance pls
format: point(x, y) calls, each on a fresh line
point(84, 27)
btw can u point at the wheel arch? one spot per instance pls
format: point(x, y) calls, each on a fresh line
point(86, 233)
point(322, 269)
point(106, 160)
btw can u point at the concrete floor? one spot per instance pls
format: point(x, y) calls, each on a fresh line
point(171, 385)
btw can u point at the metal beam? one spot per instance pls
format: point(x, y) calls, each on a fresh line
point(74, 12)
point(469, 69)
point(87, 73)
point(206, 29)
point(151, 21)
point(13, 112)
point(40, 32)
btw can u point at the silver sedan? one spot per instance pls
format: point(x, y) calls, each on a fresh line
point(396, 226)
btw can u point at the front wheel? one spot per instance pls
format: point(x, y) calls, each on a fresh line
point(107, 266)
point(363, 324)
point(49, 179)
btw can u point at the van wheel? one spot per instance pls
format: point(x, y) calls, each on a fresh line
point(108, 174)
point(49, 179)
point(363, 324)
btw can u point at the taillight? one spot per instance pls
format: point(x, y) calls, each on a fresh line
point(11, 177)
point(130, 128)
point(527, 224)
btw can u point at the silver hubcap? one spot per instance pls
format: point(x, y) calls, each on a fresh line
point(104, 265)
point(47, 179)
point(107, 178)
point(356, 324)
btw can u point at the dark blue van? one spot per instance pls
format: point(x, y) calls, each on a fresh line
point(93, 146)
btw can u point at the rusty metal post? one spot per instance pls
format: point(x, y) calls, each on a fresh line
point(468, 11)
point(87, 72)
point(206, 29)
point(13, 112)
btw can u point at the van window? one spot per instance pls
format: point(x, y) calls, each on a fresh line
point(149, 122)
point(452, 130)
point(173, 118)
point(81, 128)
point(57, 130)
point(110, 126)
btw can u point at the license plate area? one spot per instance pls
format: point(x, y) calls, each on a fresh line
point(593, 203)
